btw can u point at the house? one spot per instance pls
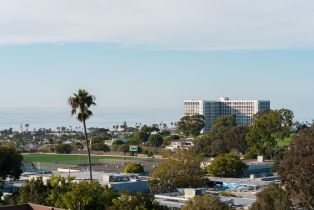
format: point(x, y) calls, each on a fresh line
point(182, 144)
point(28, 206)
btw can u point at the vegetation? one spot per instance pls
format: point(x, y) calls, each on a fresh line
point(89, 196)
point(10, 162)
point(191, 125)
point(64, 193)
point(178, 171)
point(63, 149)
point(142, 135)
point(227, 194)
point(272, 198)
point(155, 140)
point(98, 144)
point(34, 191)
point(223, 137)
point(227, 165)
point(138, 201)
point(206, 202)
point(267, 126)
point(285, 142)
point(82, 101)
point(100, 147)
point(134, 168)
point(296, 171)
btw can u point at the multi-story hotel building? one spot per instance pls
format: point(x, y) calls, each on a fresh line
point(242, 109)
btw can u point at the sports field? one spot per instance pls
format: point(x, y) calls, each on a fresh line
point(63, 158)
point(100, 163)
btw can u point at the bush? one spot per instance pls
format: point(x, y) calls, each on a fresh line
point(100, 147)
point(206, 202)
point(134, 168)
point(227, 194)
point(63, 148)
point(227, 165)
point(138, 201)
point(272, 198)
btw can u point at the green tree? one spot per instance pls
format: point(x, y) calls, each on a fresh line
point(33, 191)
point(213, 142)
point(101, 133)
point(138, 201)
point(222, 139)
point(141, 136)
point(267, 125)
point(191, 125)
point(63, 148)
point(178, 171)
point(273, 197)
point(221, 125)
point(89, 196)
point(155, 140)
point(10, 162)
point(10, 166)
point(134, 168)
point(296, 170)
point(206, 202)
point(57, 188)
point(235, 139)
point(100, 147)
point(286, 118)
point(227, 165)
point(80, 103)
point(98, 144)
point(224, 122)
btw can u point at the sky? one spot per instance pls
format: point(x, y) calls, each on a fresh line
point(156, 53)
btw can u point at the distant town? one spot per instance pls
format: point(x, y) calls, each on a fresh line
point(227, 153)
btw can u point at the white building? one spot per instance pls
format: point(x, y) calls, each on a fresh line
point(180, 144)
point(211, 110)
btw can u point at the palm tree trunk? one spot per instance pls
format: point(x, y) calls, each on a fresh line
point(88, 151)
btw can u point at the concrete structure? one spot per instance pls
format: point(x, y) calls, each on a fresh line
point(211, 110)
point(118, 181)
point(180, 144)
point(175, 200)
point(126, 182)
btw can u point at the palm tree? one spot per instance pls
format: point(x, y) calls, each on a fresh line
point(80, 103)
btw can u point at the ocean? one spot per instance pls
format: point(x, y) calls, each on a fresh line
point(103, 117)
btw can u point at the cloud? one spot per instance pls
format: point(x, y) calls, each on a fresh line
point(166, 24)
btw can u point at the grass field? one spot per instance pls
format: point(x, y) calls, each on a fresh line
point(285, 142)
point(63, 158)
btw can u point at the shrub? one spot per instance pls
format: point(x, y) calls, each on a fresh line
point(63, 148)
point(100, 147)
point(134, 168)
point(227, 165)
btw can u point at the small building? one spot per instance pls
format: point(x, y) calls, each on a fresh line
point(175, 200)
point(184, 144)
point(126, 182)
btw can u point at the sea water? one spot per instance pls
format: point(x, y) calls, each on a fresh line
point(102, 117)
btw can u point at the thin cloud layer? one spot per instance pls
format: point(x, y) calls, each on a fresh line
point(166, 24)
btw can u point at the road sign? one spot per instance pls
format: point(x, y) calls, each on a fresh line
point(133, 148)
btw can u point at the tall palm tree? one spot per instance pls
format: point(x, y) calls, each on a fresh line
point(80, 103)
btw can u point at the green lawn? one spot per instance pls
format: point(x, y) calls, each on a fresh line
point(63, 158)
point(285, 142)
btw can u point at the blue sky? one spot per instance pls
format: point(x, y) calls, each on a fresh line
point(149, 53)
